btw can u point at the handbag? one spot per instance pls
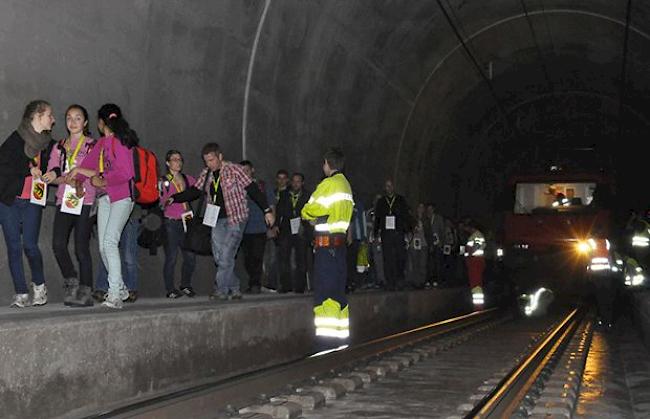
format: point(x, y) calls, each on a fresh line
point(198, 238)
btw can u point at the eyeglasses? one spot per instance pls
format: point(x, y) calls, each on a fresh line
point(176, 159)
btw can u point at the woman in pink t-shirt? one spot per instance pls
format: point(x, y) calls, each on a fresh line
point(74, 201)
point(110, 169)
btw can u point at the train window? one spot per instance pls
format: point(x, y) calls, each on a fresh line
point(552, 197)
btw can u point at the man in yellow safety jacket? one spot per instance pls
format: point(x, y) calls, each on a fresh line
point(330, 209)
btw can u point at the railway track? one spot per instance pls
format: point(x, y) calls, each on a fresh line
point(485, 364)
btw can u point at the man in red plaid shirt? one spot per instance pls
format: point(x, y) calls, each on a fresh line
point(225, 185)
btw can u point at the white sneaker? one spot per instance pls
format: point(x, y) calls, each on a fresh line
point(124, 294)
point(20, 301)
point(112, 303)
point(40, 295)
point(265, 290)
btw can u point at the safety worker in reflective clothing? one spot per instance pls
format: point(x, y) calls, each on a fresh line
point(475, 261)
point(329, 209)
point(639, 229)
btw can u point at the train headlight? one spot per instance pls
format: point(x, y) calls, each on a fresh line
point(583, 247)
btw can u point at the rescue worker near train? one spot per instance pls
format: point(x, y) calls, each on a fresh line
point(329, 209)
point(475, 261)
point(638, 234)
point(392, 224)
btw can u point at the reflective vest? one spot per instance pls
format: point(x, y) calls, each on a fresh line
point(641, 238)
point(330, 205)
point(476, 244)
point(331, 320)
point(600, 258)
point(478, 298)
point(634, 275)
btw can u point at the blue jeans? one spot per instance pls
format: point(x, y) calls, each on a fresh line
point(129, 255)
point(111, 220)
point(175, 236)
point(225, 244)
point(21, 224)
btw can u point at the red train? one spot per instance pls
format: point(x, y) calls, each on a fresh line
point(557, 221)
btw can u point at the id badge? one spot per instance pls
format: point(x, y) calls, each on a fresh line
point(71, 204)
point(390, 222)
point(446, 250)
point(417, 244)
point(39, 192)
point(295, 226)
point(211, 215)
point(186, 217)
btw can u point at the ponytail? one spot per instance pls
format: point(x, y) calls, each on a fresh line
point(111, 115)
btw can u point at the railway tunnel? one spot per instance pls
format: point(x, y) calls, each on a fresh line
point(451, 99)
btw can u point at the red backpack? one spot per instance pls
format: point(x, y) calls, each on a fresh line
point(146, 176)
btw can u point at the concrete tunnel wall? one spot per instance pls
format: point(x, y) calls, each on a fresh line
point(281, 81)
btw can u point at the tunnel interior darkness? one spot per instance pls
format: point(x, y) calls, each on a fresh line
point(449, 97)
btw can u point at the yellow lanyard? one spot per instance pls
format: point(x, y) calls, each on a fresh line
point(215, 185)
point(390, 204)
point(178, 187)
point(72, 159)
point(294, 200)
point(101, 162)
point(101, 159)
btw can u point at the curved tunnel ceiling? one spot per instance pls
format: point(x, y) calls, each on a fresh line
point(394, 83)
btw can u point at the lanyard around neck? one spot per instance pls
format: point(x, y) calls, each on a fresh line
point(215, 185)
point(391, 203)
point(294, 199)
point(72, 158)
point(101, 156)
point(178, 187)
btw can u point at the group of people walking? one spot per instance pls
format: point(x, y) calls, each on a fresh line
point(96, 182)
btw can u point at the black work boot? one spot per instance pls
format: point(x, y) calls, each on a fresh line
point(84, 297)
point(70, 288)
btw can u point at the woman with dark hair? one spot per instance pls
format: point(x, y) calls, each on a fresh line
point(23, 158)
point(74, 201)
point(176, 216)
point(110, 169)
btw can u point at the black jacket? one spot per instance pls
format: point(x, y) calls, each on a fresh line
point(15, 166)
point(285, 211)
point(399, 209)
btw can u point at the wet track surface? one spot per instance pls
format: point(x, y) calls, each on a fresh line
point(616, 381)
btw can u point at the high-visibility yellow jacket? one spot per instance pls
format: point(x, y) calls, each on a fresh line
point(330, 205)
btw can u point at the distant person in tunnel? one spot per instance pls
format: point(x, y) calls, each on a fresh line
point(293, 236)
point(272, 253)
point(435, 234)
point(475, 261)
point(23, 160)
point(392, 223)
point(254, 241)
point(330, 210)
point(225, 186)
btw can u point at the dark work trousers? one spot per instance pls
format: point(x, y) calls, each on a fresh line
point(393, 247)
point(605, 291)
point(63, 226)
point(448, 271)
point(293, 279)
point(353, 276)
point(173, 242)
point(434, 265)
point(330, 272)
point(253, 246)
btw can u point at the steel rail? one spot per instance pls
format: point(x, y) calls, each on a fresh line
point(206, 399)
point(504, 400)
